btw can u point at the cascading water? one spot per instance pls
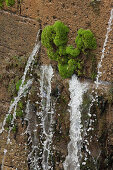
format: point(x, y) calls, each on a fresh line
point(99, 73)
point(46, 114)
point(21, 92)
point(92, 118)
point(74, 147)
point(41, 144)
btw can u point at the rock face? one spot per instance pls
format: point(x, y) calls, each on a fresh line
point(18, 30)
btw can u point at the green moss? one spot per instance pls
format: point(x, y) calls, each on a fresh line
point(18, 84)
point(9, 119)
point(74, 52)
point(1, 3)
point(20, 104)
point(55, 38)
point(47, 37)
point(19, 113)
point(53, 55)
point(85, 40)
point(62, 50)
point(61, 32)
point(66, 70)
point(10, 2)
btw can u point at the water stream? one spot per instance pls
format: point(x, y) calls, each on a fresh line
point(43, 119)
point(23, 87)
point(77, 90)
point(99, 73)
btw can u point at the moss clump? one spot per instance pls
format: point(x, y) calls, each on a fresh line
point(85, 40)
point(61, 32)
point(55, 38)
point(47, 37)
point(9, 119)
point(18, 84)
point(74, 52)
point(1, 3)
point(10, 2)
point(65, 70)
point(19, 111)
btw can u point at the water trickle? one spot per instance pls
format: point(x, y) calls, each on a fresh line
point(41, 144)
point(99, 73)
point(23, 87)
point(74, 147)
point(21, 92)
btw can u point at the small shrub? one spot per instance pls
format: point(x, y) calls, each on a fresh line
point(61, 32)
point(85, 40)
point(55, 38)
point(47, 37)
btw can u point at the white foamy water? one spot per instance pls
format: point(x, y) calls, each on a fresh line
point(76, 89)
point(46, 114)
point(99, 73)
point(31, 117)
point(41, 144)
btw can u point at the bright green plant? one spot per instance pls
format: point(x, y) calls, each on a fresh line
point(10, 2)
point(85, 40)
point(65, 71)
point(74, 52)
point(18, 84)
point(55, 38)
point(61, 32)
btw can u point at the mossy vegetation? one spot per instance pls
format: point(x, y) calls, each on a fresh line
point(9, 119)
point(55, 37)
point(19, 111)
point(1, 3)
point(8, 2)
point(18, 84)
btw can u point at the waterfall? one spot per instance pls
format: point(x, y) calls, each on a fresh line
point(22, 86)
point(104, 48)
point(21, 92)
point(74, 147)
point(41, 144)
point(92, 118)
point(46, 113)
